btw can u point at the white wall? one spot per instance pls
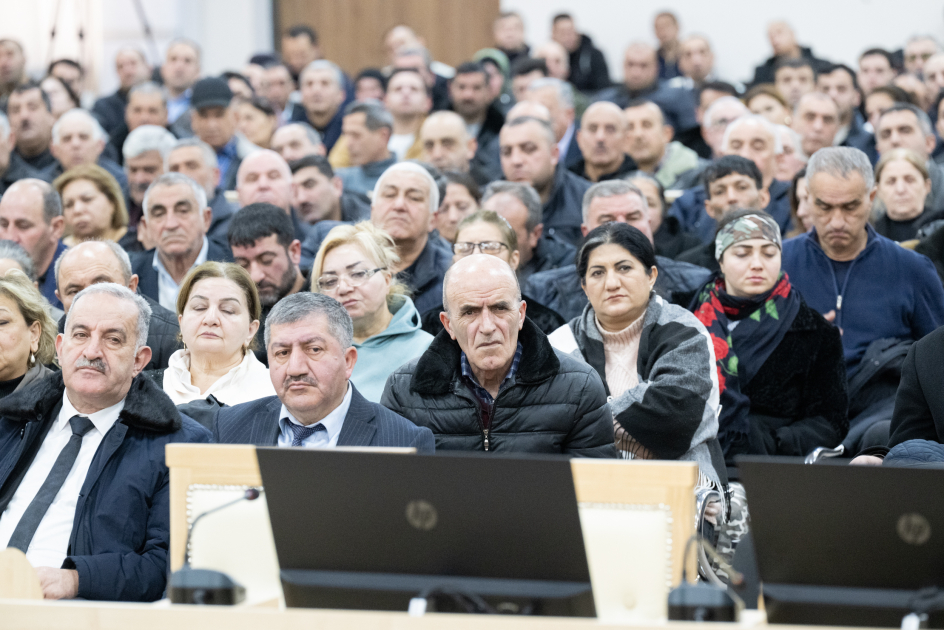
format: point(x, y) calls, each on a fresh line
point(836, 29)
point(229, 31)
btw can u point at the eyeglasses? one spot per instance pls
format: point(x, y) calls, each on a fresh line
point(486, 247)
point(329, 281)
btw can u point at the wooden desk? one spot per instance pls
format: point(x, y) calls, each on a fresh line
point(28, 615)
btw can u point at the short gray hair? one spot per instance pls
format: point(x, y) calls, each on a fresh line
point(123, 293)
point(611, 188)
point(149, 87)
point(324, 64)
point(209, 155)
point(97, 132)
point(302, 305)
point(12, 251)
point(841, 162)
point(717, 104)
point(124, 261)
point(176, 179)
point(416, 169)
point(310, 132)
point(757, 120)
point(924, 121)
point(417, 50)
point(376, 115)
point(565, 91)
point(525, 193)
point(148, 138)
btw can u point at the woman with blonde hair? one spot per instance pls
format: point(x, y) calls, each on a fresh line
point(27, 333)
point(903, 186)
point(354, 266)
point(219, 310)
point(93, 206)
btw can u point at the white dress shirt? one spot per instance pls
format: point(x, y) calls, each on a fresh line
point(319, 439)
point(246, 382)
point(167, 287)
point(50, 544)
point(565, 141)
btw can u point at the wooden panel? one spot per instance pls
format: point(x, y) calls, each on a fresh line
point(18, 579)
point(351, 32)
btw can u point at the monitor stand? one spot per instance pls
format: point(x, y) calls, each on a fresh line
point(393, 591)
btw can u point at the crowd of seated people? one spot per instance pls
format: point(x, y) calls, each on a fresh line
point(515, 255)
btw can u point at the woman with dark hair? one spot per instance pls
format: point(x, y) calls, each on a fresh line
point(463, 198)
point(780, 365)
point(257, 120)
point(655, 358)
point(800, 217)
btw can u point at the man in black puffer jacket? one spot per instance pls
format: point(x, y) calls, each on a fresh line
point(491, 380)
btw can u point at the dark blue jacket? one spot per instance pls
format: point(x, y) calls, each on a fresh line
point(143, 265)
point(677, 104)
point(689, 209)
point(563, 213)
point(47, 281)
point(889, 292)
point(121, 532)
point(366, 424)
point(331, 133)
point(561, 291)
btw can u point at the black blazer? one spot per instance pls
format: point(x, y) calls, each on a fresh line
point(366, 424)
point(142, 264)
point(919, 405)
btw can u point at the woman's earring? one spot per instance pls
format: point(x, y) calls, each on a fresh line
point(32, 359)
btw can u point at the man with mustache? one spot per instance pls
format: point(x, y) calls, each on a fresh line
point(176, 218)
point(871, 288)
point(319, 195)
point(263, 242)
point(85, 490)
point(601, 138)
point(31, 118)
point(144, 151)
point(309, 338)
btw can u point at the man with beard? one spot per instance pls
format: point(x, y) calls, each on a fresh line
point(263, 241)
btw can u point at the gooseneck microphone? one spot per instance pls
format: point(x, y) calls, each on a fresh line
point(204, 586)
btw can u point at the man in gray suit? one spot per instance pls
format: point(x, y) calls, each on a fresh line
point(309, 338)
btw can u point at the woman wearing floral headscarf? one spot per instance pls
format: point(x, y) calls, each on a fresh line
point(780, 364)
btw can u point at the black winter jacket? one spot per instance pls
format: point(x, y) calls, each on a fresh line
point(121, 532)
point(919, 405)
point(554, 404)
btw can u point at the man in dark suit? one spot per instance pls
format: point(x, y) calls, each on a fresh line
point(176, 217)
point(310, 341)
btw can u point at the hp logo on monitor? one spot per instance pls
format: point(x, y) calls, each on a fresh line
point(914, 529)
point(421, 515)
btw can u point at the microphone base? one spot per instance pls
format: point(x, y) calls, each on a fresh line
point(204, 587)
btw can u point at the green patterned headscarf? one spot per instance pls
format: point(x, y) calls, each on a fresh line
point(746, 228)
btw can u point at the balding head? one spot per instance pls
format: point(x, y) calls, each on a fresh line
point(556, 57)
point(264, 177)
point(88, 263)
point(483, 313)
point(529, 108)
point(602, 136)
point(446, 142)
point(640, 66)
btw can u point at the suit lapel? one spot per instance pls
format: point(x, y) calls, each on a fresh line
point(265, 426)
point(358, 428)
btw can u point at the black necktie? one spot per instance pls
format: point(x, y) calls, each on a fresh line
point(33, 516)
point(300, 433)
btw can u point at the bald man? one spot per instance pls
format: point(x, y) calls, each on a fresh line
point(783, 43)
point(265, 177)
point(641, 81)
point(447, 145)
point(601, 138)
point(490, 381)
point(93, 262)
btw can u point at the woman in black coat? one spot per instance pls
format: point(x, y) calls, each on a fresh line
point(780, 364)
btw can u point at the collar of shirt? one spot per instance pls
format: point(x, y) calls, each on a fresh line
point(228, 150)
point(103, 420)
point(332, 424)
point(480, 392)
point(565, 141)
point(166, 285)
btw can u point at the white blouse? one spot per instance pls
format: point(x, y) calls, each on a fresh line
point(246, 382)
